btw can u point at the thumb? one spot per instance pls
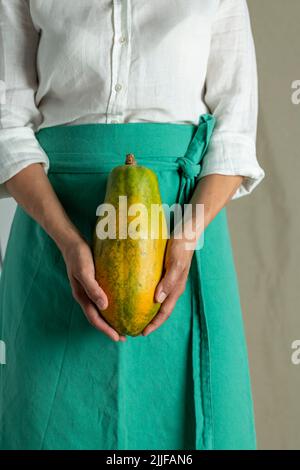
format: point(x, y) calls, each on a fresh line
point(95, 292)
point(167, 283)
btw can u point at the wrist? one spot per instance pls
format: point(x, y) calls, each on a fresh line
point(182, 248)
point(190, 230)
point(67, 238)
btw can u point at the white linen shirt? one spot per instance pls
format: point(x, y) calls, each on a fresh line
point(69, 62)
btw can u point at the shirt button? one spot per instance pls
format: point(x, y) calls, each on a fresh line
point(123, 39)
point(118, 87)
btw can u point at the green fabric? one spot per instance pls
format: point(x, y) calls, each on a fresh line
point(67, 386)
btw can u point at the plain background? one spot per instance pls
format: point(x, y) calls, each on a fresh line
point(265, 230)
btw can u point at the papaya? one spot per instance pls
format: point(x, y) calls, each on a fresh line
point(129, 246)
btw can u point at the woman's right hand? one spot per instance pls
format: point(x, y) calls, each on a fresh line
point(86, 290)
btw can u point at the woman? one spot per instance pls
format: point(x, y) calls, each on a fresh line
point(85, 84)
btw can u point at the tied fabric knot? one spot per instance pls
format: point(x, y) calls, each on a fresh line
point(188, 167)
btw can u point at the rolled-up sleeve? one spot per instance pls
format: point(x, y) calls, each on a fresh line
point(231, 95)
point(19, 115)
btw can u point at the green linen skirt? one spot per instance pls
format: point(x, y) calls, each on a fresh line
point(66, 385)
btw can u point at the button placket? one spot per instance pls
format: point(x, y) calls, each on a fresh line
point(121, 52)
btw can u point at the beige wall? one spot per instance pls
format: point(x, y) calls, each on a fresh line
point(266, 230)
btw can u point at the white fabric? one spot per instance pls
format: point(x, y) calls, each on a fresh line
point(114, 61)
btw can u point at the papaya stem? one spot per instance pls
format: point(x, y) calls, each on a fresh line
point(130, 159)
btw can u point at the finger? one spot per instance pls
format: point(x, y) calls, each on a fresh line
point(93, 290)
point(101, 303)
point(172, 276)
point(98, 322)
point(93, 315)
point(163, 314)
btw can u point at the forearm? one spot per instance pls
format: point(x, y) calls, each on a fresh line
point(32, 190)
point(213, 192)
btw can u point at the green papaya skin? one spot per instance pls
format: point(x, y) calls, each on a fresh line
point(127, 269)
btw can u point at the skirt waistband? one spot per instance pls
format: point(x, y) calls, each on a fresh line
point(100, 147)
point(92, 147)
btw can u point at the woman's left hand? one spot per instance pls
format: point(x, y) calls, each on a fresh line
point(172, 285)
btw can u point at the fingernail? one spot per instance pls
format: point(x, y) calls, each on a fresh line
point(147, 332)
point(101, 304)
point(161, 297)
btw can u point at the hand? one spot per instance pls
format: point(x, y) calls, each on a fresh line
point(177, 265)
point(86, 290)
